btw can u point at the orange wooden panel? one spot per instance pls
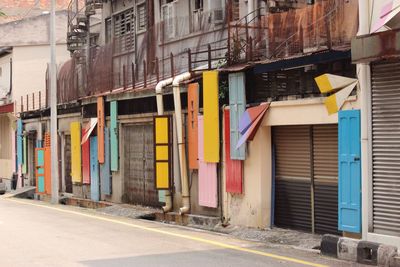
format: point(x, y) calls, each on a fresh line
point(100, 129)
point(193, 111)
point(47, 170)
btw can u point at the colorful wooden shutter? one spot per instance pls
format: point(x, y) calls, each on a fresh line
point(19, 143)
point(211, 116)
point(76, 159)
point(85, 160)
point(114, 135)
point(100, 129)
point(349, 171)
point(237, 105)
point(25, 156)
point(40, 170)
point(163, 152)
point(193, 111)
point(47, 170)
point(105, 177)
point(94, 170)
point(234, 168)
point(208, 183)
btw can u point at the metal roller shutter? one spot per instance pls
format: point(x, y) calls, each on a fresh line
point(293, 177)
point(325, 156)
point(386, 147)
point(306, 171)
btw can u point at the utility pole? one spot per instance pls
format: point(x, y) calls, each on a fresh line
point(53, 106)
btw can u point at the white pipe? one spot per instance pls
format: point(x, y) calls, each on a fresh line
point(159, 94)
point(181, 145)
point(160, 110)
point(364, 76)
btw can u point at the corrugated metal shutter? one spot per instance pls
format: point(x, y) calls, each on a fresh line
point(293, 177)
point(325, 156)
point(386, 147)
point(305, 156)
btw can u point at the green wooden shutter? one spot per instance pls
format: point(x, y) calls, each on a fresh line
point(114, 135)
point(237, 105)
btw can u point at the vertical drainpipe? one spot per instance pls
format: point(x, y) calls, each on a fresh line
point(181, 144)
point(364, 77)
point(160, 110)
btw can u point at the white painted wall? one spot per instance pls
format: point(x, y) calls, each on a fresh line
point(4, 75)
point(29, 70)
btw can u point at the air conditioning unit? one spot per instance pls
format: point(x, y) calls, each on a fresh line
point(218, 15)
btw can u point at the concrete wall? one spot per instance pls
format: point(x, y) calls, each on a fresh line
point(29, 71)
point(253, 207)
point(5, 75)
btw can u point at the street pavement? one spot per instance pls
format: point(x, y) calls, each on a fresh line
point(34, 233)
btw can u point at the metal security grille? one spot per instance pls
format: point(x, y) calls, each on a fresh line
point(386, 147)
point(325, 157)
point(67, 165)
point(293, 177)
point(139, 184)
point(306, 171)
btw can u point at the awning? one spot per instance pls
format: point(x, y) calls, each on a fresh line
point(250, 121)
point(385, 15)
point(295, 62)
point(89, 129)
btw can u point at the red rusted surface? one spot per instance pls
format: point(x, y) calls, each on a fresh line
point(7, 108)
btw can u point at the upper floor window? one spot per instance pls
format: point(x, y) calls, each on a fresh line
point(141, 15)
point(198, 4)
point(108, 30)
point(124, 31)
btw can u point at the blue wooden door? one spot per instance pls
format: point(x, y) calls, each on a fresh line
point(349, 171)
point(105, 178)
point(40, 185)
point(237, 106)
point(114, 135)
point(94, 170)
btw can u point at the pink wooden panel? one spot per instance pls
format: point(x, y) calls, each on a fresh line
point(234, 168)
point(85, 160)
point(208, 183)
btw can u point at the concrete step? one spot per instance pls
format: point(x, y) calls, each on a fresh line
point(194, 220)
point(84, 203)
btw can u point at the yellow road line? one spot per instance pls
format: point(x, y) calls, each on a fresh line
point(193, 238)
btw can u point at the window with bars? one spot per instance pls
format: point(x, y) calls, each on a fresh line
point(124, 31)
point(141, 14)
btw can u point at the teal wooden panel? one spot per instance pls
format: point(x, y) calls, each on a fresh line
point(237, 106)
point(114, 135)
point(41, 184)
point(40, 156)
point(349, 171)
point(105, 171)
point(19, 143)
point(94, 171)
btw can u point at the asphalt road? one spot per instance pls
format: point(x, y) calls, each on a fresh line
point(34, 233)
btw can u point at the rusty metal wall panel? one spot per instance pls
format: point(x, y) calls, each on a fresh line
point(385, 147)
point(139, 184)
point(100, 129)
point(193, 111)
point(234, 168)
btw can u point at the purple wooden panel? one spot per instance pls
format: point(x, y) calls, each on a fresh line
point(208, 184)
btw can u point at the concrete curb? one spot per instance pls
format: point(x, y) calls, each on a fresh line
point(363, 252)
